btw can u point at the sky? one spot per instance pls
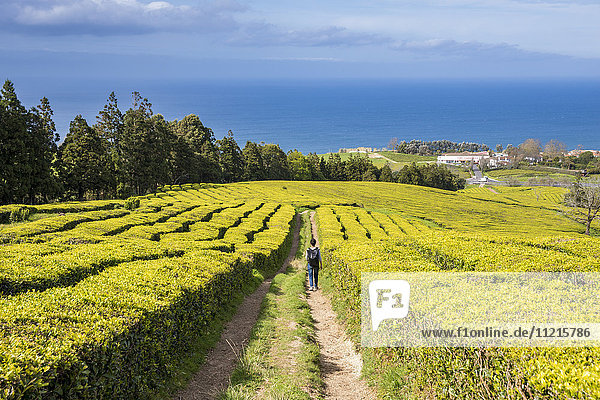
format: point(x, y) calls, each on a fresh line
point(239, 39)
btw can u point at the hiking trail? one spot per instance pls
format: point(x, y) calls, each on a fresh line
point(341, 365)
point(213, 377)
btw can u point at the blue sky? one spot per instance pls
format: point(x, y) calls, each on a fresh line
point(308, 39)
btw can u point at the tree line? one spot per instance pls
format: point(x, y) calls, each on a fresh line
point(553, 154)
point(435, 147)
point(132, 152)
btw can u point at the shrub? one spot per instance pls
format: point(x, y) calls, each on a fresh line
point(132, 203)
point(19, 214)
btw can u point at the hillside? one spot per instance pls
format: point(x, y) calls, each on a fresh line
point(99, 300)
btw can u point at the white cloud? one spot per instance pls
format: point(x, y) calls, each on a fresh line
point(110, 17)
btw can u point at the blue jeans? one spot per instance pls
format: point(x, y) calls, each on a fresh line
point(313, 272)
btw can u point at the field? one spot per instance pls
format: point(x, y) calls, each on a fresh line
point(407, 158)
point(99, 301)
point(526, 175)
point(395, 160)
point(358, 240)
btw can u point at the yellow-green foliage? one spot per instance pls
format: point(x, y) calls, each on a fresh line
point(93, 309)
point(101, 302)
point(485, 373)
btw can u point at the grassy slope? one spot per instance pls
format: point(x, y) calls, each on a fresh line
point(524, 175)
point(399, 159)
point(407, 158)
point(513, 211)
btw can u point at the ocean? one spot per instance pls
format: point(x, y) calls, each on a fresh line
point(323, 116)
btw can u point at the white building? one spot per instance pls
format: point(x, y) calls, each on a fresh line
point(465, 157)
point(499, 160)
point(357, 150)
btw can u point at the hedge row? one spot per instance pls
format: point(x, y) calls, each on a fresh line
point(465, 373)
point(44, 269)
point(55, 208)
point(229, 218)
point(121, 333)
point(252, 224)
point(57, 223)
point(116, 226)
point(71, 266)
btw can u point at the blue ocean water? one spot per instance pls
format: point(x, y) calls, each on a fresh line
point(323, 116)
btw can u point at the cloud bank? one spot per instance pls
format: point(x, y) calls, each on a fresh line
point(116, 17)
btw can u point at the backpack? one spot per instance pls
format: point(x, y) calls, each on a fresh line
point(313, 256)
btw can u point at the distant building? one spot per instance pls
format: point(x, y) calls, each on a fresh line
point(357, 150)
point(499, 160)
point(578, 152)
point(466, 157)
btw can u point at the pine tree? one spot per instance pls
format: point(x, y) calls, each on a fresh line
point(84, 160)
point(230, 159)
point(110, 126)
point(254, 169)
point(315, 167)
point(199, 162)
point(324, 169)
point(15, 170)
point(42, 138)
point(386, 174)
point(146, 149)
point(336, 168)
point(110, 122)
point(275, 162)
point(299, 166)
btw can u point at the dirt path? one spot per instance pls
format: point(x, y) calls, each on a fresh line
point(377, 155)
point(214, 375)
point(492, 190)
point(340, 363)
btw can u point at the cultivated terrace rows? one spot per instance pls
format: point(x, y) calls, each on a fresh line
point(100, 300)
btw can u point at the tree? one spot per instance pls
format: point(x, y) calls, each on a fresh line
point(195, 156)
point(254, 169)
point(110, 126)
point(585, 158)
point(231, 159)
point(275, 162)
point(356, 167)
point(41, 143)
point(299, 166)
point(531, 148)
point(371, 174)
point(15, 169)
point(386, 174)
point(499, 148)
point(145, 149)
point(553, 149)
point(583, 202)
point(84, 160)
point(110, 122)
point(315, 167)
point(323, 168)
point(431, 175)
point(336, 168)
point(392, 143)
point(183, 162)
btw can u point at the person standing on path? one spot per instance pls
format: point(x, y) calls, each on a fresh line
point(313, 257)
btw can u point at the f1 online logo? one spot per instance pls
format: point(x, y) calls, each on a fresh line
point(388, 300)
